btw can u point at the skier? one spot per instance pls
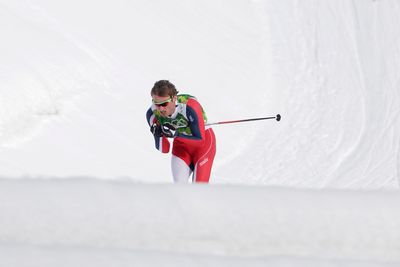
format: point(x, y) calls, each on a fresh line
point(182, 118)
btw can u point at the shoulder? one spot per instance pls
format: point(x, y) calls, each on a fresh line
point(153, 114)
point(149, 113)
point(185, 98)
point(188, 100)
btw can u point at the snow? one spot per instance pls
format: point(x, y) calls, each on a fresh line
point(81, 182)
point(91, 219)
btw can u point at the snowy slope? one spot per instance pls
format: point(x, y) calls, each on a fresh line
point(74, 87)
point(337, 70)
point(76, 78)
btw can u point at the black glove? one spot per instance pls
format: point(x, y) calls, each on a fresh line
point(155, 129)
point(168, 130)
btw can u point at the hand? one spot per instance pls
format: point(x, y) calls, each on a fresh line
point(155, 129)
point(168, 130)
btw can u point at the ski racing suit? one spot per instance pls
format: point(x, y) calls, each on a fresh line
point(194, 144)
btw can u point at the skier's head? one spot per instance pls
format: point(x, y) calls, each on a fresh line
point(164, 95)
point(164, 88)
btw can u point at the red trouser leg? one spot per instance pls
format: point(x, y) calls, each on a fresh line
point(204, 163)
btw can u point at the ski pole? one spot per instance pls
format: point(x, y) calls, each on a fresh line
point(277, 117)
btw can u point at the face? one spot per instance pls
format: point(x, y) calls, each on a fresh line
point(165, 104)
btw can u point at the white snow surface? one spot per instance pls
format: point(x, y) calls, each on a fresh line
point(82, 185)
point(90, 222)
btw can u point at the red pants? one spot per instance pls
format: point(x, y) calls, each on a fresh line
point(188, 158)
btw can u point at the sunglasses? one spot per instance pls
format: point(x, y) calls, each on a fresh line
point(162, 103)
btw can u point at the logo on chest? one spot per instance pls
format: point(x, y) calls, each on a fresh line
point(179, 122)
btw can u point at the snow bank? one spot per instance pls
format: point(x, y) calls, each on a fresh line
point(96, 257)
point(223, 221)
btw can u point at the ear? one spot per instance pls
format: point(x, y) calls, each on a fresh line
point(175, 98)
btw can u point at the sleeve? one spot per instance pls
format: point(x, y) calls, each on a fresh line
point(194, 113)
point(161, 142)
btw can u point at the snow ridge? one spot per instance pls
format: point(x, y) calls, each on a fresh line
point(328, 224)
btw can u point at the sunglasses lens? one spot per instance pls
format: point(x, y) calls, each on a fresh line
point(163, 104)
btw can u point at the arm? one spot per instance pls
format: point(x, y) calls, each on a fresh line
point(194, 113)
point(161, 142)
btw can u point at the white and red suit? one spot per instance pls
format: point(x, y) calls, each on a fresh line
point(194, 144)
